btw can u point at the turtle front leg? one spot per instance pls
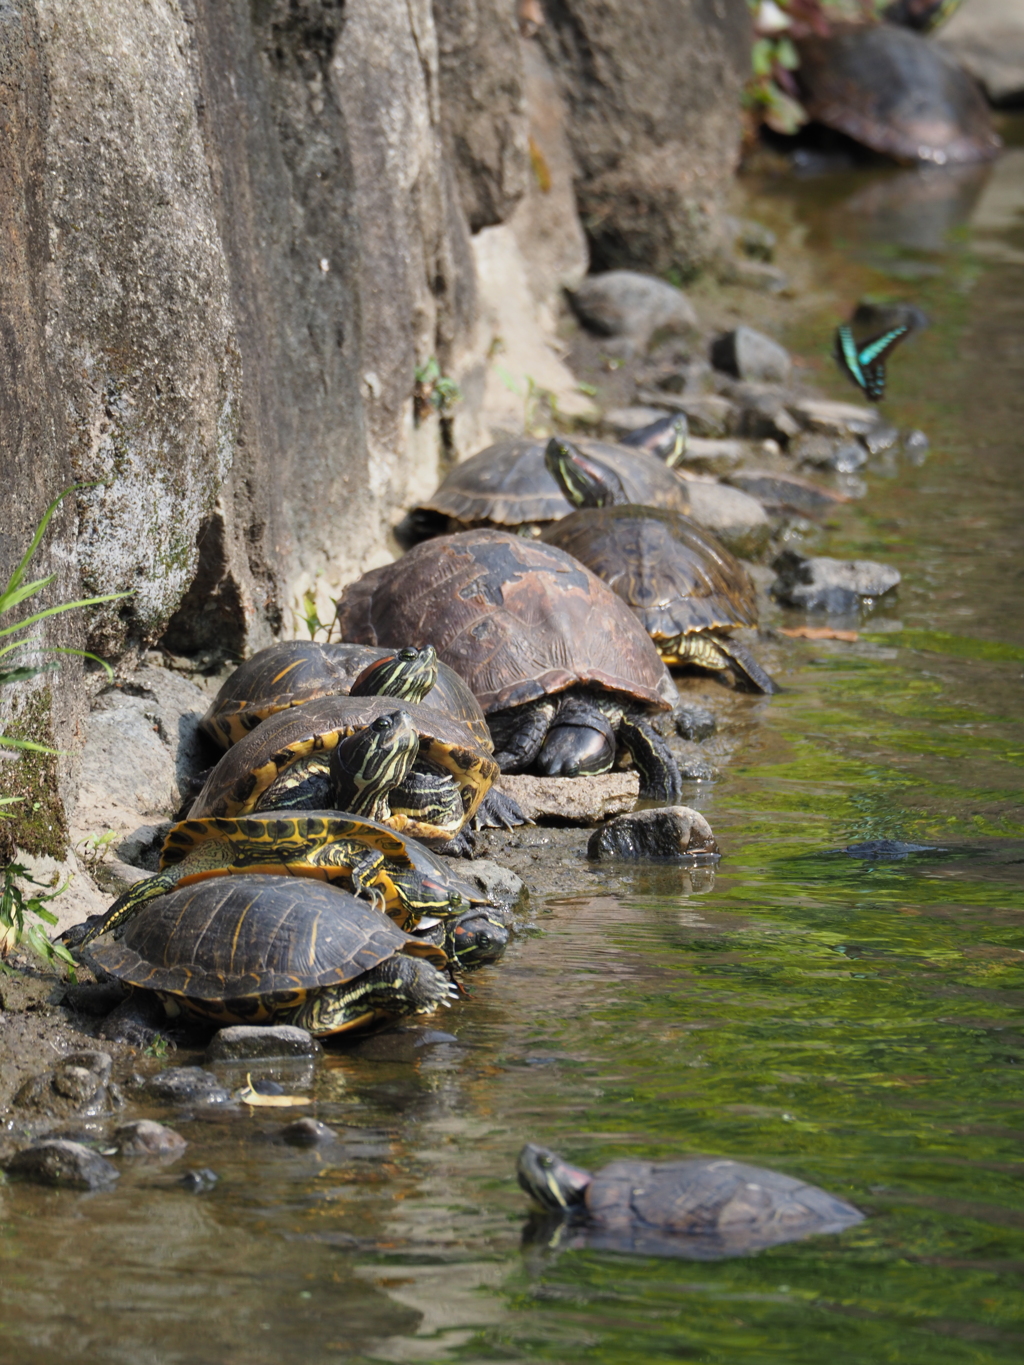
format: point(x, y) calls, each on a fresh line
point(721, 655)
point(519, 734)
point(498, 810)
point(660, 779)
point(363, 875)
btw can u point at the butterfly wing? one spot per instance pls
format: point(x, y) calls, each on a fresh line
point(846, 355)
point(872, 357)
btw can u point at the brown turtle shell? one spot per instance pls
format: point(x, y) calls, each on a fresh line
point(508, 484)
point(517, 619)
point(295, 672)
point(242, 938)
point(250, 766)
point(897, 93)
point(674, 576)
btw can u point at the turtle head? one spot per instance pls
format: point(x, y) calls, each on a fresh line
point(550, 1180)
point(585, 481)
point(408, 673)
point(475, 939)
point(367, 765)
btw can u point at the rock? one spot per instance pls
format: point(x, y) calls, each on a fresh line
point(499, 884)
point(144, 1138)
point(759, 275)
point(187, 1085)
point(79, 1086)
point(739, 520)
point(676, 832)
point(832, 585)
point(763, 414)
point(308, 1133)
point(694, 722)
point(632, 308)
point(883, 436)
point(56, 1161)
point(399, 1044)
point(750, 355)
point(199, 1181)
point(137, 1021)
point(987, 38)
point(708, 415)
point(695, 769)
point(829, 452)
point(573, 800)
point(832, 418)
point(624, 421)
point(781, 493)
point(753, 239)
point(720, 457)
point(915, 446)
point(245, 1042)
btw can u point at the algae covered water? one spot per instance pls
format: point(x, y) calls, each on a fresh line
point(852, 1017)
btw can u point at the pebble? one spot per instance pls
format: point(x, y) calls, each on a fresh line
point(829, 452)
point(307, 1133)
point(631, 307)
point(751, 355)
point(915, 446)
point(668, 832)
point(245, 1042)
point(832, 585)
point(499, 884)
point(187, 1085)
point(199, 1181)
point(145, 1138)
point(694, 722)
point(573, 800)
point(58, 1161)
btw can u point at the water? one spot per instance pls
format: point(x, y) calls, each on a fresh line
point(854, 1021)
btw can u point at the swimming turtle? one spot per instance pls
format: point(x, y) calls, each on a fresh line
point(686, 589)
point(563, 670)
point(701, 1209)
point(418, 770)
point(295, 672)
point(507, 485)
point(244, 950)
point(394, 872)
point(893, 91)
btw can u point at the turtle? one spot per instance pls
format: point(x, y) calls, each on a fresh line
point(563, 670)
point(685, 587)
point(473, 939)
point(356, 754)
point(507, 485)
point(394, 872)
point(893, 91)
point(701, 1209)
point(245, 950)
point(294, 672)
point(666, 439)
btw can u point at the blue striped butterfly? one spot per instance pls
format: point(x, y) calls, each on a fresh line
point(865, 365)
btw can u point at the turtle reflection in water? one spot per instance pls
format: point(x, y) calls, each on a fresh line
point(701, 1209)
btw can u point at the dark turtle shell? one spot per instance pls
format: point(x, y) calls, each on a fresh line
point(517, 619)
point(896, 93)
point(239, 940)
point(508, 484)
point(295, 672)
point(250, 766)
point(674, 576)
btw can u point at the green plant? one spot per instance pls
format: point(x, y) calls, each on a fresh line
point(310, 617)
point(14, 594)
point(94, 849)
point(15, 905)
point(434, 391)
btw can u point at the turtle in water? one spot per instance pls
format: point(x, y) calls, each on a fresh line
point(507, 485)
point(893, 91)
point(685, 588)
point(565, 673)
point(395, 873)
point(701, 1209)
point(285, 950)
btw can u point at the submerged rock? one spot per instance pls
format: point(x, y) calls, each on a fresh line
point(307, 1132)
point(57, 1161)
point(187, 1085)
point(146, 1138)
point(780, 493)
point(245, 1042)
point(677, 832)
point(832, 585)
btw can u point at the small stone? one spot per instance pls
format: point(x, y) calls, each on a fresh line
point(199, 1181)
point(915, 446)
point(56, 1161)
point(245, 1042)
point(573, 800)
point(633, 307)
point(883, 436)
point(780, 493)
point(829, 452)
point(694, 722)
point(677, 832)
point(308, 1133)
point(696, 770)
point(707, 415)
point(145, 1138)
point(399, 1044)
point(99, 1063)
point(77, 1087)
point(187, 1085)
point(752, 356)
point(738, 520)
point(831, 418)
point(499, 884)
point(759, 275)
point(751, 237)
point(765, 417)
point(833, 585)
point(76, 1083)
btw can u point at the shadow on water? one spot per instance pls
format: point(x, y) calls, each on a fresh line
point(842, 999)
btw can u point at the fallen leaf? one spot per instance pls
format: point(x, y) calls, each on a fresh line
point(248, 1095)
point(819, 633)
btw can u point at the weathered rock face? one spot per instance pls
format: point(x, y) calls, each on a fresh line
point(653, 90)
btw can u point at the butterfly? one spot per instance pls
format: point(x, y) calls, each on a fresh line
point(865, 365)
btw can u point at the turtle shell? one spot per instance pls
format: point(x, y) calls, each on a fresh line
point(508, 484)
point(517, 619)
point(295, 672)
point(250, 766)
point(705, 1209)
point(236, 941)
point(675, 577)
point(896, 93)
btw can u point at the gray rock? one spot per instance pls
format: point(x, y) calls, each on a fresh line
point(499, 884)
point(782, 493)
point(624, 421)
point(633, 307)
point(831, 585)
point(738, 520)
point(56, 1161)
point(676, 832)
point(244, 1042)
point(694, 722)
point(753, 239)
point(708, 415)
point(764, 415)
point(79, 1086)
point(828, 417)
point(399, 1044)
point(719, 458)
point(987, 38)
point(829, 452)
point(187, 1085)
point(758, 275)
point(693, 769)
point(199, 1181)
point(145, 1138)
point(573, 800)
point(308, 1133)
point(750, 355)
point(882, 436)
point(916, 446)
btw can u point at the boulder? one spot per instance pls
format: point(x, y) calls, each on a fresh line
point(572, 800)
point(750, 355)
point(987, 38)
point(675, 832)
point(145, 1138)
point(739, 520)
point(57, 1161)
point(632, 307)
point(245, 1042)
point(831, 585)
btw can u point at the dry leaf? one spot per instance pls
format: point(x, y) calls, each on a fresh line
point(250, 1096)
point(819, 633)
